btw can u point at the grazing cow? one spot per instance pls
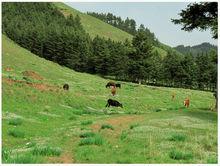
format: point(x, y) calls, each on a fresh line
point(66, 87)
point(114, 103)
point(113, 90)
point(186, 102)
point(118, 85)
point(109, 84)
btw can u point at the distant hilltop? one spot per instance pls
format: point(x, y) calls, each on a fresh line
point(197, 49)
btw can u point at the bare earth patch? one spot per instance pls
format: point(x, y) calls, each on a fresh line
point(8, 69)
point(119, 123)
point(32, 74)
point(65, 158)
point(39, 86)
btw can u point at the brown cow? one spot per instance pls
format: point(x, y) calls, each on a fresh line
point(186, 102)
point(113, 90)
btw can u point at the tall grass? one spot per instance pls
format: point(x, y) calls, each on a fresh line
point(46, 151)
point(179, 155)
point(26, 158)
point(94, 140)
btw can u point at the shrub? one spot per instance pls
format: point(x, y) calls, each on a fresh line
point(107, 126)
point(46, 151)
point(88, 122)
point(15, 122)
point(134, 125)
point(177, 137)
point(178, 155)
point(96, 140)
point(16, 133)
point(87, 134)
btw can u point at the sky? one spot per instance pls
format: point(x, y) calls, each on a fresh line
point(154, 15)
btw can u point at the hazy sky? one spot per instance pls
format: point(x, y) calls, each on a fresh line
point(154, 15)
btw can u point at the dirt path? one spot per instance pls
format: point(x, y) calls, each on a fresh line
point(119, 123)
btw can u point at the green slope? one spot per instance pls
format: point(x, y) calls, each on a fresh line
point(94, 26)
point(41, 123)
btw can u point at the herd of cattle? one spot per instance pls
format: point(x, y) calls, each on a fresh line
point(115, 103)
point(113, 87)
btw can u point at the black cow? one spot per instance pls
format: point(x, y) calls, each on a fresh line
point(114, 103)
point(66, 87)
point(109, 84)
point(118, 85)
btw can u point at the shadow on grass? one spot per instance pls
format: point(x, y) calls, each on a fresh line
point(203, 114)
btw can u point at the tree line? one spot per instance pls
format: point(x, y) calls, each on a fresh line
point(43, 29)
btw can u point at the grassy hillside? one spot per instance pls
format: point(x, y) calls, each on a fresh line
point(44, 124)
point(95, 27)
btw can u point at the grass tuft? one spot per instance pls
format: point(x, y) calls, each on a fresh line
point(15, 122)
point(178, 155)
point(177, 137)
point(46, 151)
point(95, 140)
point(5, 154)
point(134, 125)
point(16, 133)
point(87, 134)
point(88, 122)
point(107, 126)
point(124, 135)
point(26, 158)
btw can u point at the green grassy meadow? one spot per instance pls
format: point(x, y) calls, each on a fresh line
point(41, 123)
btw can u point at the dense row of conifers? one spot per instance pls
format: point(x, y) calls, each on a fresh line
point(45, 31)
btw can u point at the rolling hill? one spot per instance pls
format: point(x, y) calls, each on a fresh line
point(95, 27)
point(42, 123)
point(197, 49)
